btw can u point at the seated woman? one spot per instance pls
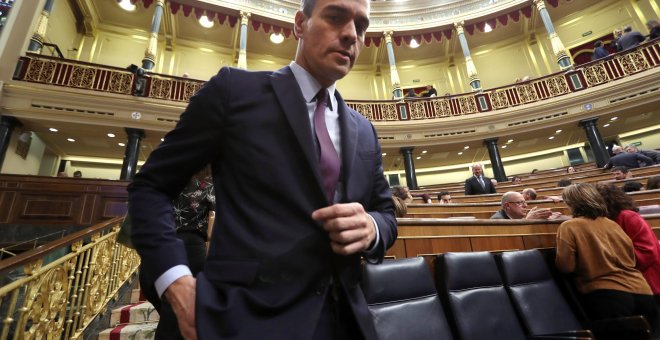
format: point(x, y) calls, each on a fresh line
point(402, 193)
point(602, 258)
point(622, 209)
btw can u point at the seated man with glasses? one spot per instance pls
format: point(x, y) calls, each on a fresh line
point(514, 207)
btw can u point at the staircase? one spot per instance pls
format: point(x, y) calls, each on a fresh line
point(136, 321)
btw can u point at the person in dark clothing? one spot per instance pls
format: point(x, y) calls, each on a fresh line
point(615, 42)
point(654, 28)
point(599, 51)
point(627, 159)
point(654, 155)
point(411, 94)
point(630, 38)
point(191, 214)
point(430, 91)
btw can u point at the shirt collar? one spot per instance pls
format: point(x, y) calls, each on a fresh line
point(310, 86)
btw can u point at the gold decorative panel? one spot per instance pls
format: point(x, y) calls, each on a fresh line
point(557, 85)
point(60, 299)
point(596, 74)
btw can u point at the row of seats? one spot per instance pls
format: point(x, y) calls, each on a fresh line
point(481, 295)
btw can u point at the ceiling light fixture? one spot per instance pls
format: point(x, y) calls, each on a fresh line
point(276, 38)
point(551, 137)
point(162, 139)
point(53, 130)
point(614, 118)
point(509, 141)
point(503, 146)
point(487, 28)
point(126, 5)
point(71, 140)
point(419, 157)
point(558, 131)
point(205, 22)
point(424, 151)
point(414, 43)
point(606, 125)
point(384, 154)
point(121, 144)
point(111, 135)
point(460, 153)
point(466, 147)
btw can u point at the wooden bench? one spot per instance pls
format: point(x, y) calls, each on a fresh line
point(422, 237)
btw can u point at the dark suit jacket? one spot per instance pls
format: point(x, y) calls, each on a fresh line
point(473, 187)
point(629, 160)
point(269, 264)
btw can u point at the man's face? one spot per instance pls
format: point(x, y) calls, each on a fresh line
point(445, 199)
point(631, 150)
point(476, 170)
point(331, 38)
point(618, 174)
point(516, 208)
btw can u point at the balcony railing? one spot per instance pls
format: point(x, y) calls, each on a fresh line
point(59, 299)
point(80, 75)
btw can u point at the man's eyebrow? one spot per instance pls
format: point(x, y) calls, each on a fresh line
point(343, 10)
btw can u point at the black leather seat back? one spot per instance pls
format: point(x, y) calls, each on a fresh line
point(537, 298)
point(403, 300)
point(477, 299)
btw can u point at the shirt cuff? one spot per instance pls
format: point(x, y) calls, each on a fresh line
point(373, 248)
point(167, 278)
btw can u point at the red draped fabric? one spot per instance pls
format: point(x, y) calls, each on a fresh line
point(553, 3)
point(492, 22)
point(515, 16)
point(147, 3)
point(503, 19)
point(198, 12)
point(397, 40)
point(448, 33)
point(469, 29)
point(480, 25)
point(527, 11)
point(428, 37)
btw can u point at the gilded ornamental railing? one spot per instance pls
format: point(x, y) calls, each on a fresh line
point(62, 72)
point(59, 299)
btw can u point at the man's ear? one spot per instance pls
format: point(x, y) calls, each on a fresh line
point(298, 23)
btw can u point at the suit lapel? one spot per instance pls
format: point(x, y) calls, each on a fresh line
point(349, 141)
point(292, 103)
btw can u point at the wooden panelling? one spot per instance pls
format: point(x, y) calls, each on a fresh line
point(62, 201)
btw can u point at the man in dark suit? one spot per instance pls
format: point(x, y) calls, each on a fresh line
point(627, 159)
point(478, 184)
point(300, 195)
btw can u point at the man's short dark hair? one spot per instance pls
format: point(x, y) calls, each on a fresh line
point(564, 182)
point(442, 193)
point(307, 6)
point(598, 43)
point(632, 186)
point(621, 168)
point(627, 29)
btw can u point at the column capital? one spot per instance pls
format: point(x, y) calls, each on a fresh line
point(540, 4)
point(459, 27)
point(388, 36)
point(160, 3)
point(492, 140)
point(245, 17)
point(406, 149)
point(10, 121)
point(135, 132)
point(588, 121)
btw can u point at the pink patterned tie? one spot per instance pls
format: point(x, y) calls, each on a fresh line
point(328, 158)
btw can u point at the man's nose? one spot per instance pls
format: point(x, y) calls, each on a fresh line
point(349, 32)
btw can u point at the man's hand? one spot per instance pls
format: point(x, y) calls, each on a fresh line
point(350, 228)
point(537, 213)
point(181, 295)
